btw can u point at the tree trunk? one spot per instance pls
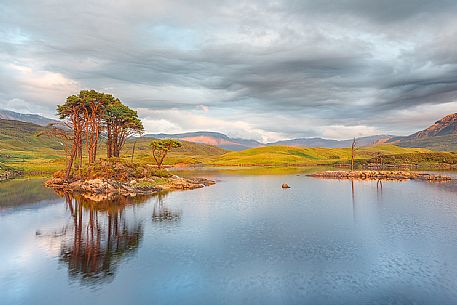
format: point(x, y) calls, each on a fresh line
point(133, 150)
point(109, 143)
point(95, 142)
point(80, 152)
point(159, 156)
point(70, 161)
point(115, 142)
point(352, 154)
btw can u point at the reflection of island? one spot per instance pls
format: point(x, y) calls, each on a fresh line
point(162, 213)
point(19, 193)
point(97, 238)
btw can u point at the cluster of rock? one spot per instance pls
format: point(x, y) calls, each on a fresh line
point(107, 189)
point(380, 175)
point(9, 174)
point(179, 183)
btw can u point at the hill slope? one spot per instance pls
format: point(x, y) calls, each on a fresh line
point(438, 143)
point(445, 126)
point(188, 153)
point(441, 136)
point(16, 135)
point(288, 155)
point(21, 149)
point(29, 118)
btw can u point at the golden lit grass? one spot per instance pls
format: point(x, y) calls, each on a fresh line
point(286, 155)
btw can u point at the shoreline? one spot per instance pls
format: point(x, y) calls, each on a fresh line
point(16, 173)
point(380, 175)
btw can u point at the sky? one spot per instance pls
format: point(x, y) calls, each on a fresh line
point(263, 70)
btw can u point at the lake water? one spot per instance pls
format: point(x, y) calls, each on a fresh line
point(242, 241)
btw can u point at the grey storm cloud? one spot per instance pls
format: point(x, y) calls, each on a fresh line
point(328, 64)
point(380, 11)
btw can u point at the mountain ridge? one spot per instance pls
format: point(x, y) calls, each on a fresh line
point(441, 136)
point(212, 138)
point(330, 143)
point(28, 118)
point(237, 144)
point(445, 126)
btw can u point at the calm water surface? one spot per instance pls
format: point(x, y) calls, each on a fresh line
point(243, 241)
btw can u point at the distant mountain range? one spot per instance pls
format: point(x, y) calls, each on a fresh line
point(442, 136)
point(237, 144)
point(211, 138)
point(320, 142)
point(28, 118)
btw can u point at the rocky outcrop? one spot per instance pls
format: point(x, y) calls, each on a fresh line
point(178, 183)
point(9, 174)
point(380, 175)
point(107, 189)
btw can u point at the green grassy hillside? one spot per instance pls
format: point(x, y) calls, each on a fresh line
point(188, 153)
point(438, 143)
point(15, 135)
point(21, 149)
point(425, 159)
point(286, 155)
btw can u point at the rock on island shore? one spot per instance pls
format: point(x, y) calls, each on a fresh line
point(106, 189)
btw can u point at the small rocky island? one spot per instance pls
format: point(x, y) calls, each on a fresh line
point(111, 179)
point(380, 175)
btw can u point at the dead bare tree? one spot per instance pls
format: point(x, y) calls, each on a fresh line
point(353, 147)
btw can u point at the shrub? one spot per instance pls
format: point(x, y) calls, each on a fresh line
point(117, 169)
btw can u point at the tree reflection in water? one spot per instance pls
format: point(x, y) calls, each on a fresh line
point(162, 213)
point(98, 237)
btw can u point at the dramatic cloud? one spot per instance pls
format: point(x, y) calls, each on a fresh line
point(260, 69)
